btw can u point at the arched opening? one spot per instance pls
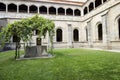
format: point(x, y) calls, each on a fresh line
point(91, 6)
point(76, 35)
point(52, 10)
point(59, 35)
point(119, 27)
point(2, 7)
point(100, 32)
point(69, 11)
point(23, 8)
point(104, 0)
point(12, 8)
point(43, 10)
point(85, 10)
point(77, 12)
point(33, 9)
point(98, 2)
point(61, 11)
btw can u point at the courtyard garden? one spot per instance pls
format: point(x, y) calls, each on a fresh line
point(68, 64)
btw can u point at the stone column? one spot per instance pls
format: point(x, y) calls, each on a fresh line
point(70, 36)
point(65, 11)
point(38, 10)
point(89, 28)
point(17, 8)
point(47, 11)
point(106, 37)
point(56, 11)
point(28, 9)
point(6, 8)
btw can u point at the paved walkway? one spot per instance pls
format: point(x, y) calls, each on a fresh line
point(103, 49)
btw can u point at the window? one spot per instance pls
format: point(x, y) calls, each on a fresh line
point(33, 9)
point(2, 7)
point(77, 12)
point(69, 11)
point(52, 10)
point(85, 10)
point(91, 6)
point(12, 8)
point(119, 27)
point(98, 3)
point(23, 8)
point(100, 32)
point(43, 10)
point(59, 35)
point(61, 11)
point(75, 35)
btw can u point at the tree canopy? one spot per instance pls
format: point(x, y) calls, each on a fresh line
point(24, 28)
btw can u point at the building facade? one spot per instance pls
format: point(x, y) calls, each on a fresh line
point(94, 24)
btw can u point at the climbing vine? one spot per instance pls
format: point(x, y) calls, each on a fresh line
point(24, 28)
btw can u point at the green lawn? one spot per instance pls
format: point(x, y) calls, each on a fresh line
point(68, 64)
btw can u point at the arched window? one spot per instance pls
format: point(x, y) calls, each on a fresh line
point(100, 32)
point(85, 10)
point(12, 7)
point(119, 27)
point(91, 6)
point(33, 9)
point(59, 35)
point(23, 8)
point(43, 10)
point(104, 0)
point(52, 10)
point(2, 7)
point(98, 2)
point(69, 11)
point(75, 35)
point(77, 12)
point(61, 11)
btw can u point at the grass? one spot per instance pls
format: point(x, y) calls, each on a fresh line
point(68, 64)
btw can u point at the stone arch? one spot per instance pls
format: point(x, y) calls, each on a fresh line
point(69, 11)
point(52, 10)
point(117, 28)
point(75, 35)
point(2, 7)
point(33, 9)
point(85, 10)
point(100, 31)
point(12, 7)
point(43, 10)
point(77, 12)
point(23, 8)
point(98, 3)
point(59, 35)
point(91, 6)
point(61, 11)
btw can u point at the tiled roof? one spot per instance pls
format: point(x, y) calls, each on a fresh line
point(61, 1)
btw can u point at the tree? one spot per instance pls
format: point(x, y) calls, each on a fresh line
point(23, 30)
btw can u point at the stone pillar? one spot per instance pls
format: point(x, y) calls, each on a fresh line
point(17, 8)
point(106, 37)
point(89, 28)
point(94, 5)
point(38, 10)
point(56, 11)
point(65, 11)
point(73, 12)
point(6, 8)
point(70, 36)
point(28, 9)
point(47, 11)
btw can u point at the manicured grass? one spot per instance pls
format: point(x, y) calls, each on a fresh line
point(68, 64)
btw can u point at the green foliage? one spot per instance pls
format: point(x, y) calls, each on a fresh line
point(25, 27)
point(68, 64)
